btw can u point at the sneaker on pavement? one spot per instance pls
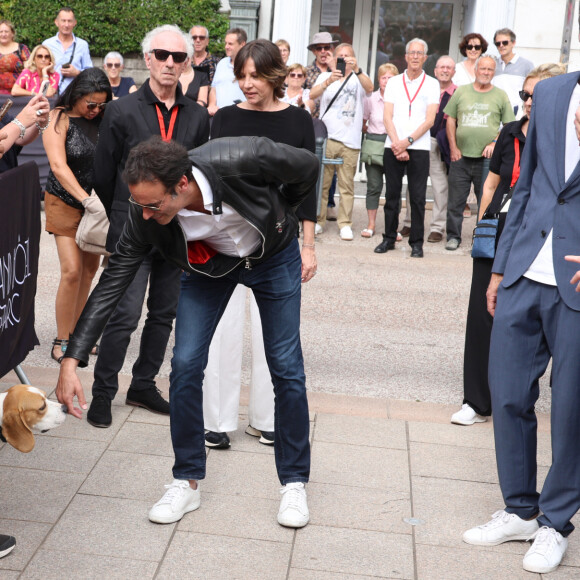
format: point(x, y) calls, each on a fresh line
point(503, 527)
point(546, 552)
point(216, 440)
point(467, 416)
point(331, 213)
point(346, 233)
point(149, 399)
point(179, 499)
point(452, 244)
point(7, 544)
point(266, 437)
point(318, 229)
point(99, 414)
point(293, 511)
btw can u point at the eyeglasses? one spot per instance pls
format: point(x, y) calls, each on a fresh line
point(524, 96)
point(325, 47)
point(162, 55)
point(295, 75)
point(473, 47)
point(416, 53)
point(113, 65)
point(502, 43)
point(156, 207)
point(43, 56)
point(92, 106)
point(196, 37)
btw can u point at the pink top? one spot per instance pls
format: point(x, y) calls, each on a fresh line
point(374, 105)
point(31, 81)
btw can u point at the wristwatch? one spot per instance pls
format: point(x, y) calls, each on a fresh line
point(411, 140)
point(359, 72)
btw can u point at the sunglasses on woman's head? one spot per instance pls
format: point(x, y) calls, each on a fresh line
point(162, 55)
point(92, 106)
point(473, 47)
point(524, 96)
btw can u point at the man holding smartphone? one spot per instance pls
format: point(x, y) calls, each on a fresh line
point(71, 53)
point(341, 92)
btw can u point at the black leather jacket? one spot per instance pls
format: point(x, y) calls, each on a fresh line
point(261, 180)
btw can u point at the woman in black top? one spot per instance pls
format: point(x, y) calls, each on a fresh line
point(261, 74)
point(195, 85)
point(503, 172)
point(70, 142)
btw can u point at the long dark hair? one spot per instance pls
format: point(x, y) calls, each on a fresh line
point(90, 80)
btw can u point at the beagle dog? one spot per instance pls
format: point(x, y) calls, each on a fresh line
point(25, 410)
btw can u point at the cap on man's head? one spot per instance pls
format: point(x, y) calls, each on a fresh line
point(321, 38)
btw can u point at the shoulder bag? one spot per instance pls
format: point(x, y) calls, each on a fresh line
point(92, 232)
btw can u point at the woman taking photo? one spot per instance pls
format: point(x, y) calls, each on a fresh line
point(38, 68)
point(12, 57)
point(261, 73)
point(503, 174)
point(70, 141)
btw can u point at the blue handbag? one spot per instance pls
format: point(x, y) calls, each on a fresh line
point(484, 236)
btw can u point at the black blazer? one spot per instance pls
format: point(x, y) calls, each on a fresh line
point(128, 122)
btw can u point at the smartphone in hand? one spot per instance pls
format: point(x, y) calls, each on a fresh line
point(341, 65)
point(44, 88)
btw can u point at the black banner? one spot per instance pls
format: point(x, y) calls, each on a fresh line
point(19, 249)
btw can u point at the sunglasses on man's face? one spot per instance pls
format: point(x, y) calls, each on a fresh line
point(113, 65)
point(196, 37)
point(502, 43)
point(296, 75)
point(92, 106)
point(325, 47)
point(162, 55)
point(473, 47)
point(156, 207)
point(524, 96)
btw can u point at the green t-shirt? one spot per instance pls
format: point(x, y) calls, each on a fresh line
point(479, 117)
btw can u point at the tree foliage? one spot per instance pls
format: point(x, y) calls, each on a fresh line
point(115, 24)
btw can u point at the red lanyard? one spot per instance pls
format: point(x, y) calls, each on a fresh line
point(166, 136)
point(516, 168)
point(409, 96)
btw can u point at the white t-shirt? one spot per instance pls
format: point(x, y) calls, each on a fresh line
point(344, 120)
point(225, 84)
point(422, 95)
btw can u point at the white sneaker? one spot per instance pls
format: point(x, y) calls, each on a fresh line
point(346, 233)
point(318, 229)
point(467, 416)
point(546, 552)
point(503, 527)
point(293, 511)
point(179, 499)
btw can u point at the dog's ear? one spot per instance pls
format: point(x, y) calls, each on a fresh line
point(16, 431)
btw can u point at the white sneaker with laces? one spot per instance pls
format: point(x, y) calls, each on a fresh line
point(346, 233)
point(467, 416)
point(546, 552)
point(179, 499)
point(503, 527)
point(318, 229)
point(293, 511)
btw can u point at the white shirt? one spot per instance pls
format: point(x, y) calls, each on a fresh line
point(225, 84)
point(227, 233)
point(542, 268)
point(344, 119)
point(406, 121)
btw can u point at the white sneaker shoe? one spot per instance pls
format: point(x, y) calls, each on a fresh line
point(293, 511)
point(179, 499)
point(318, 229)
point(346, 233)
point(467, 416)
point(503, 527)
point(546, 552)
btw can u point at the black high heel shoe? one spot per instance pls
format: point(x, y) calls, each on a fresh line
point(62, 342)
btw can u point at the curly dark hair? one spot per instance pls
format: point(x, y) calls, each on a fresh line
point(471, 36)
point(268, 62)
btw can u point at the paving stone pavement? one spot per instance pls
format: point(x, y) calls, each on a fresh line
point(393, 483)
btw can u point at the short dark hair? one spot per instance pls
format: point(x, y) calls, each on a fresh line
point(240, 33)
point(64, 9)
point(157, 160)
point(505, 32)
point(467, 38)
point(268, 61)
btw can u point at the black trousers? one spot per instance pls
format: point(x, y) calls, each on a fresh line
point(477, 338)
point(164, 283)
point(417, 173)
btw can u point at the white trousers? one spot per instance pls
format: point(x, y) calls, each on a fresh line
point(223, 374)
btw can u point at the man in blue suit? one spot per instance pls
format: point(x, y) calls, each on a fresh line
point(537, 317)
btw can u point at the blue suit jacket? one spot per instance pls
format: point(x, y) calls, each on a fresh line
point(542, 199)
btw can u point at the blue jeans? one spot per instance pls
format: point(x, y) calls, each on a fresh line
point(276, 286)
